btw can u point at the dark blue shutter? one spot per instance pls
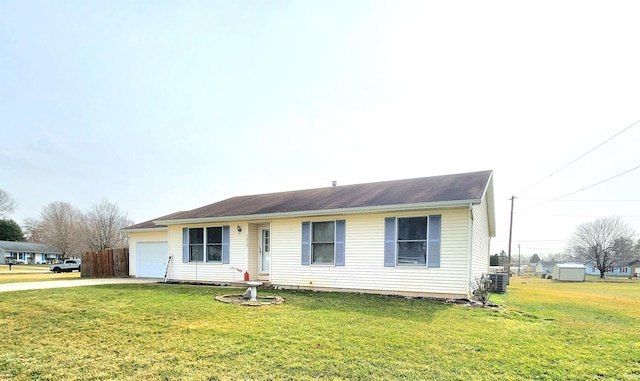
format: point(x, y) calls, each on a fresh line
point(340, 235)
point(435, 225)
point(225, 244)
point(185, 245)
point(306, 243)
point(390, 242)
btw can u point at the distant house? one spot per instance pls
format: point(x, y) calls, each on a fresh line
point(426, 237)
point(27, 252)
point(625, 269)
point(544, 267)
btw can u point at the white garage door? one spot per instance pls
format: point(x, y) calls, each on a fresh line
point(151, 259)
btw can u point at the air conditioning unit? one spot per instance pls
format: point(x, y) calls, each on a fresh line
point(498, 282)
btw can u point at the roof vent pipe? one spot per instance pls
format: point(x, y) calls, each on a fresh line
point(334, 183)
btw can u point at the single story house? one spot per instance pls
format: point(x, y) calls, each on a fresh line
point(570, 272)
point(625, 269)
point(544, 267)
point(28, 252)
point(423, 237)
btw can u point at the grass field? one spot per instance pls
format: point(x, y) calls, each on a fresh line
point(545, 330)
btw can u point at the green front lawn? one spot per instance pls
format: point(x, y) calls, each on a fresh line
point(35, 276)
point(546, 330)
point(4, 268)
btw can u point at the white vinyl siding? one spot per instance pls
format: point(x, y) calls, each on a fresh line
point(480, 244)
point(209, 272)
point(363, 267)
point(364, 257)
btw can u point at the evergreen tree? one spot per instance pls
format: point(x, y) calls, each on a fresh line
point(10, 231)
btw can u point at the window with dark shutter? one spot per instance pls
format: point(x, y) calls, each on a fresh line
point(412, 241)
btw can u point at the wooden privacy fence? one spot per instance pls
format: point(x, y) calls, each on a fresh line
point(110, 263)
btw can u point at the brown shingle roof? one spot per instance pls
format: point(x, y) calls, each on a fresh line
point(144, 225)
point(437, 189)
point(150, 224)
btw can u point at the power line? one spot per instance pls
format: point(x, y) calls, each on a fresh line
point(545, 199)
point(526, 241)
point(580, 157)
point(574, 215)
point(537, 241)
point(543, 248)
point(585, 188)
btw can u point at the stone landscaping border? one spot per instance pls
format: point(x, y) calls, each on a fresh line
point(239, 299)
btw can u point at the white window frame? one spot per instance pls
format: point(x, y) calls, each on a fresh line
point(425, 242)
point(204, 245)
point(313, 243)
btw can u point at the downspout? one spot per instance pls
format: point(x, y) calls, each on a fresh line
point(470, 250)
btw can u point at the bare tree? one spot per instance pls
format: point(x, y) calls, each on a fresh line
point(59, 226)
point(601, 243)
point(7, 203)
point(102, 224)
point(33, 231)
point(558, 257)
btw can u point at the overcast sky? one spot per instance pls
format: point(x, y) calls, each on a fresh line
point(163, 106)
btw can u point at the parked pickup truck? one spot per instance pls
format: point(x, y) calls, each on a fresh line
point(68, 265)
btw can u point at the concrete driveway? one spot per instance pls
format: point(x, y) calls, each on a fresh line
point(72, 283)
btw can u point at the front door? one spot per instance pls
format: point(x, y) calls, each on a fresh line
point(265, 250)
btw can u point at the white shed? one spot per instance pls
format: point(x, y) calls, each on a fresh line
point(570, 272)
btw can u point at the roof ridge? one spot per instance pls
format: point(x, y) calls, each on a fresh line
point(354, 185)
point(432, 190)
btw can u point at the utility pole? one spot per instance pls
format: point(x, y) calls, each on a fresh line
point(509, 248)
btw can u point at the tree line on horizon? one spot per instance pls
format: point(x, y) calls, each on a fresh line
point(66, 227)
point(603, 243)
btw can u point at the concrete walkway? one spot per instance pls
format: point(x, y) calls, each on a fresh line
point(72, 283)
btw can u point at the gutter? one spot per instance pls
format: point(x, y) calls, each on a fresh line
point(324, 212)
point(145, 230)
point(470, 252)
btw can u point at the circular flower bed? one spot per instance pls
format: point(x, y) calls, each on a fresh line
point(240, 300)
